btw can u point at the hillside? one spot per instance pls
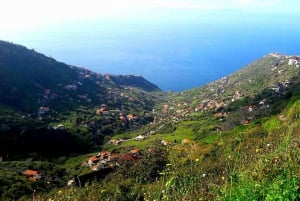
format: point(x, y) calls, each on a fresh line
point(251, 85)
point(233, 139)
point(41, 95)
point(43, 81)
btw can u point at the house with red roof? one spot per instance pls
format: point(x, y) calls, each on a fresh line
point(127, 158)
point(32, 175)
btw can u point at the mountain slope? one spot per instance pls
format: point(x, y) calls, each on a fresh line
point(25, 73)
point(39, 94)
point(270, 74)
point(234, 139)
point(29, 78)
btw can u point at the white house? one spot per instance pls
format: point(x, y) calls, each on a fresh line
point(292, 62)
point(140, 137)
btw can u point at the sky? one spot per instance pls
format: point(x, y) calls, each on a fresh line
point(22, 16)
point(148, 36)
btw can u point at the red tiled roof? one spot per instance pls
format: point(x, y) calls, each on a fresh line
point(127, 157)
point(113, 156)
point(31, 172)
point(134, 151)
point(103, 153)
point(246, 122)
point(130, 116)
point(98, 111)
point(94, 158)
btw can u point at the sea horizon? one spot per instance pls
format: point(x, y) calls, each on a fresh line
point(174, 56)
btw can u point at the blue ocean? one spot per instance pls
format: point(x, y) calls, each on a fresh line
point(174, 56)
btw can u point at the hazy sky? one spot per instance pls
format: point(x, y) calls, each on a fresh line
point(22, 16)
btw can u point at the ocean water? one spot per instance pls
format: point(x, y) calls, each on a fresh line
point(174, 56)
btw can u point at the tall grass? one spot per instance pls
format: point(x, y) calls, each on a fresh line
point(259, 162)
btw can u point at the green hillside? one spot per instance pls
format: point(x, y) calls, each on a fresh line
point(43, 100)
point(30, 79)
point(233, 139)
point(221, 144)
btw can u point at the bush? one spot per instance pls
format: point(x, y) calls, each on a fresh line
point(294, 112)
point(147, 168)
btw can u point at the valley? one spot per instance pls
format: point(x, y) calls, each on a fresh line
point(72, 134)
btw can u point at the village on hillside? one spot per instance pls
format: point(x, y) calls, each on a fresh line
point(218, 94)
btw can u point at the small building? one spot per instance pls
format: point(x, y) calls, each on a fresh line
point(107, 76)
point(71, 87)
point(123, 118)
point(131, 117)
point(165, 142)
point(114, 157)
point(104, 155)
point(93, 159)
point(43, 110)
point(32, 175)
point(135, 152)
point(246, 122)
point(98, 112)
point(219, 115)
point(292, 61)
point(60, 127)
point(115, 142)
point(103, 107)
point(103, 110)
point(127, 158)
point(139, 137)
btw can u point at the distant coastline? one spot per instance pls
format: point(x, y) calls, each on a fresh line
point(173, 58)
